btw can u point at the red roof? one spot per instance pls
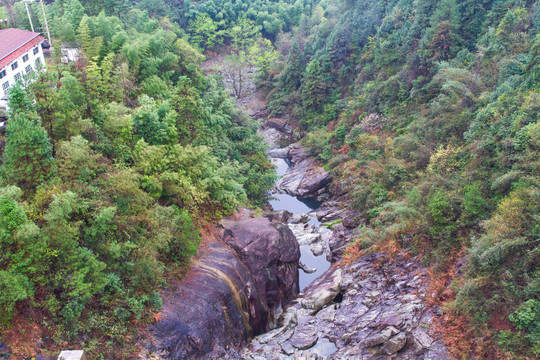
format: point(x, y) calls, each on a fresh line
point(14, 43)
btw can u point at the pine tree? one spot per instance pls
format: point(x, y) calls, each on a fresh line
point(28, 159)
point(74, 11)
point(84, 37)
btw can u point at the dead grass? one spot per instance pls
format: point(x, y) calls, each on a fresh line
point(25, 335)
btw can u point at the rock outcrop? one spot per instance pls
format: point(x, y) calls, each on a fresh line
point(232, 293)
point(271, 253)
point(371, 309)
point(277, 124)
point(305, 179)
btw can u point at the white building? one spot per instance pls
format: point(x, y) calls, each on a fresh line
point(20, 55)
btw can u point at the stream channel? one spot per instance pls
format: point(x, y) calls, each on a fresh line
point(283, 201)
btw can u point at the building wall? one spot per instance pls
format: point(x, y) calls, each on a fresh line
point(21, 69)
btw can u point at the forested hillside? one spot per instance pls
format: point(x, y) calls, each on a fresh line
point(427, 110)
point(111, 166)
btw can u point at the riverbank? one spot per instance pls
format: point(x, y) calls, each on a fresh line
point(373, 308)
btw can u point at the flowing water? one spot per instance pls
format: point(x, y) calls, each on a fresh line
point(298, 206)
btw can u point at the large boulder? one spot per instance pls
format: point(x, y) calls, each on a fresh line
point(277, 124)
point(338, 242)
point(306, 179)
point(231, 293)
point(270, 251)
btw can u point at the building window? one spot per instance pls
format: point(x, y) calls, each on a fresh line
point(28, 69)
point(36, 50)
point(5, 86)
point(14, 65)
point(2, 73)
point(25, 58)
point(17, 76)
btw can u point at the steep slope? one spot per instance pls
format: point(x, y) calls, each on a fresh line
point(429, 112)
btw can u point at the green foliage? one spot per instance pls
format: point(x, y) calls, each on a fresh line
point(189, 177)
point(28, 158)
point(270, 17)
point(13, 289)
point(112, 164)
point(440, 209)
point(429, 112)
point(155, 124)
point(205, 33)
point(503, 267)
point(474, 204)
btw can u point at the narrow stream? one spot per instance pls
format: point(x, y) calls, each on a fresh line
point(300, 206)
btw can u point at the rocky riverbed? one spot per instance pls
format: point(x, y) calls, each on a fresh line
point(372, 308)
point(239, 301)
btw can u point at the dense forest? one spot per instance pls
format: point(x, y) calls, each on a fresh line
point(427, 110)
point(430, 111)
point(111, 166)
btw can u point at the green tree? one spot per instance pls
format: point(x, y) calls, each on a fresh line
point(206, 33)
point(28, 159)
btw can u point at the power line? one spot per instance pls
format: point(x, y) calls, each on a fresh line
point(30, 12)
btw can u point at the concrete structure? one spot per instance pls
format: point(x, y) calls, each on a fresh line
point(70, 52)
point(72, 355)
point(20, 55)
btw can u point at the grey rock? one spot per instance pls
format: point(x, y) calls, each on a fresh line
point(232, 291)
point(289, 318)
point(287, 348)
point(351, 219)
point(365, 311)
point(300, 218)
point(392, 320)
point(437, 351)
point(338, 242)
point(277, 124)
point(303, 341)
point(326, 293)
point(421, 339)
point(317, 249)
point(371, 298)
point(410, 308)
point(381, 337)
point(271, 136)
point(328, 314)
point(306, 234)
point(305, 178)
point(72, 355)
point(297, 154)
point(394, 344)
point(259, 112)
point(269, 336)
point(305, 268)
point(279, 153)
point(279, 216)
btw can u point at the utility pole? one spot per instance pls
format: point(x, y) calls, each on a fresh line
point(30, 18)
point(46, 23)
